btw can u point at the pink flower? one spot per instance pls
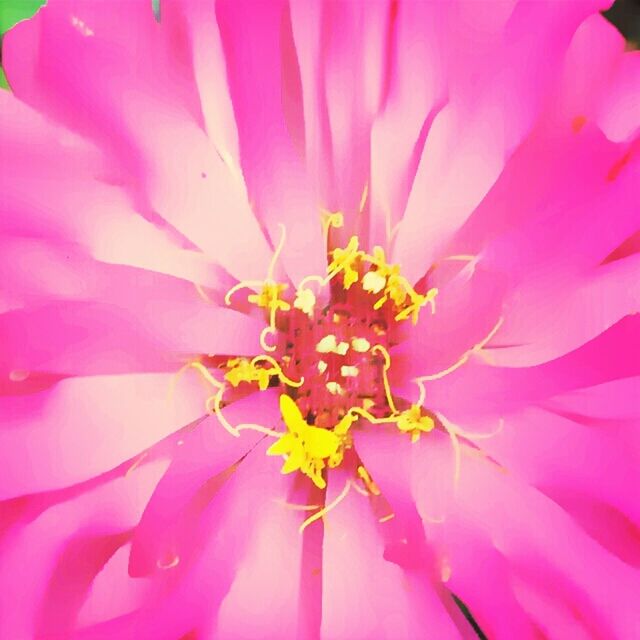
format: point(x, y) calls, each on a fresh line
point(451, 396)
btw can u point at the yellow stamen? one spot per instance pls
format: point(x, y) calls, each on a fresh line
point(360, 345)
point(373, 282)
point(243, 370)
point(244, 284)
point(202, 293)
point(297, 507)
point(217, 411)
point(327, 344)
point(371, 418)
point(386, 518)
point(267, 331)
point(304, 446)
point(385, 379)
point(277, 370)
point(455, 444)
point(277, 252)
point(334, 388)
point(269, 297)
point(342, 348)
point(204, 372)
point(423, 392)
point(412, 421)
point(343, 260)
point(371, 486)
point(465, 357)
point(328, 220)
point(305, 301)
point(260, 429)
point(323, 512)
point(363, 197)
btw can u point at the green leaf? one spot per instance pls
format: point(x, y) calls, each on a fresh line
point(12, 11)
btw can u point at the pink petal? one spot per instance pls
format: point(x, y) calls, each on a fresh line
point(169, 520)
point(611, 400)
point(557, 454)
point(549, 556)
point(66, 195)
point(36, 569)
point(547, 245)
point(142, 116)
point(113, 593)
point(600, 298)
point(618, 113)
point(343, 57)
point(275, 554)
point(354, 59)
point(78, 337)
point(467, 309)
point(547, 189)
point(487, 392)
point(591, 60)
point(486, 118)
point(189, 591)
point(415, 97)
point(306, 21)
point(37, 270)
point(364, 595)
point(260, 76)
point(92, 425)
point(206, 57)
point(399, 468)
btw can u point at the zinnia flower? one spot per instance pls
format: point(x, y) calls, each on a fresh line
point(317, 320)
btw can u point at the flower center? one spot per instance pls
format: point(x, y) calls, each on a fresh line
point(327, 346)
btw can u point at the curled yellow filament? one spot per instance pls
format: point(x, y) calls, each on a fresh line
point(277, 252)
point(465, 356)
point(385, 379)
point(327, 508)
point(244, 284)
point(277, 370)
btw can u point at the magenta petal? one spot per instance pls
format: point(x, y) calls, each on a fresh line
point(363, 594)
point(261, 75)
point(618, 113)
point(487, 392)
point(600, 298)
point(82, 427)
point(613, 400)
point(439, 340)
point(486, 116)
point(36, 568)
point(182, 494)
point(416, 94)
point(548, 557)
point(274, 592)
point(103, 338)
point(561, 456)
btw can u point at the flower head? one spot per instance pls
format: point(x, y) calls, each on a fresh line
point(321, 319)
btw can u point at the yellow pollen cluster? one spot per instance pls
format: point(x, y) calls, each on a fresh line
point(412, 421)
point(305, 447)
point(270, 297)
point(245, 370)
point(345, 260)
